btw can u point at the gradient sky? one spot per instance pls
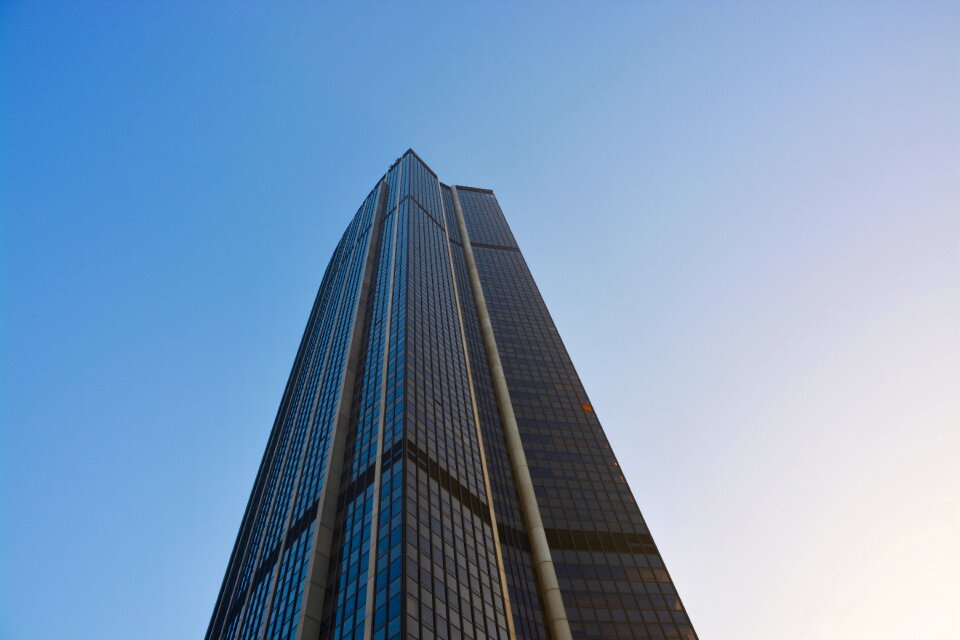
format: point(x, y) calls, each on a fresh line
point(745, 218)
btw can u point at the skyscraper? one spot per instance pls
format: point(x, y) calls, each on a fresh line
point(436, 469)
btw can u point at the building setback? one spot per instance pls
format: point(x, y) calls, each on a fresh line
point(436, 469)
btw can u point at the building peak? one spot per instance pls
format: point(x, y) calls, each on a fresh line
point(411, 152)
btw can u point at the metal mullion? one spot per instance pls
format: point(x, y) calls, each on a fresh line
point(508, 610)
point(378, 462)
point(311, 609)
point(539, 548)
point(268, 607)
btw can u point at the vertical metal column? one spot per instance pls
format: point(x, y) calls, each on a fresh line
point(370, 587)
point(311, 613)
point(539, 549)
point(507, 608)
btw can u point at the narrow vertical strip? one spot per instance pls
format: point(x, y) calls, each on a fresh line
point(314, 591)
point(378, 461)
point(539, 549)
point(312, 417)
point(508, 611)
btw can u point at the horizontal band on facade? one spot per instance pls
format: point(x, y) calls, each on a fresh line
point(604, 541)
point(460, 187)
point(484, 245)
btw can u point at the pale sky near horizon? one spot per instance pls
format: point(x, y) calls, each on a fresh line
point(744, 217)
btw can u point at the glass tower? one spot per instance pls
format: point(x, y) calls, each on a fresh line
point(436, 469)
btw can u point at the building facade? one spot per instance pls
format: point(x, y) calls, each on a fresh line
point(436, 469)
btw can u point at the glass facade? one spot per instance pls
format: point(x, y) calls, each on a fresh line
point(386, 505)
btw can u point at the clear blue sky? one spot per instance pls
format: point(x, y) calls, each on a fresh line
point(744, 217)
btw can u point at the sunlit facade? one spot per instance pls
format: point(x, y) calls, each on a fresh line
point(436, 469)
